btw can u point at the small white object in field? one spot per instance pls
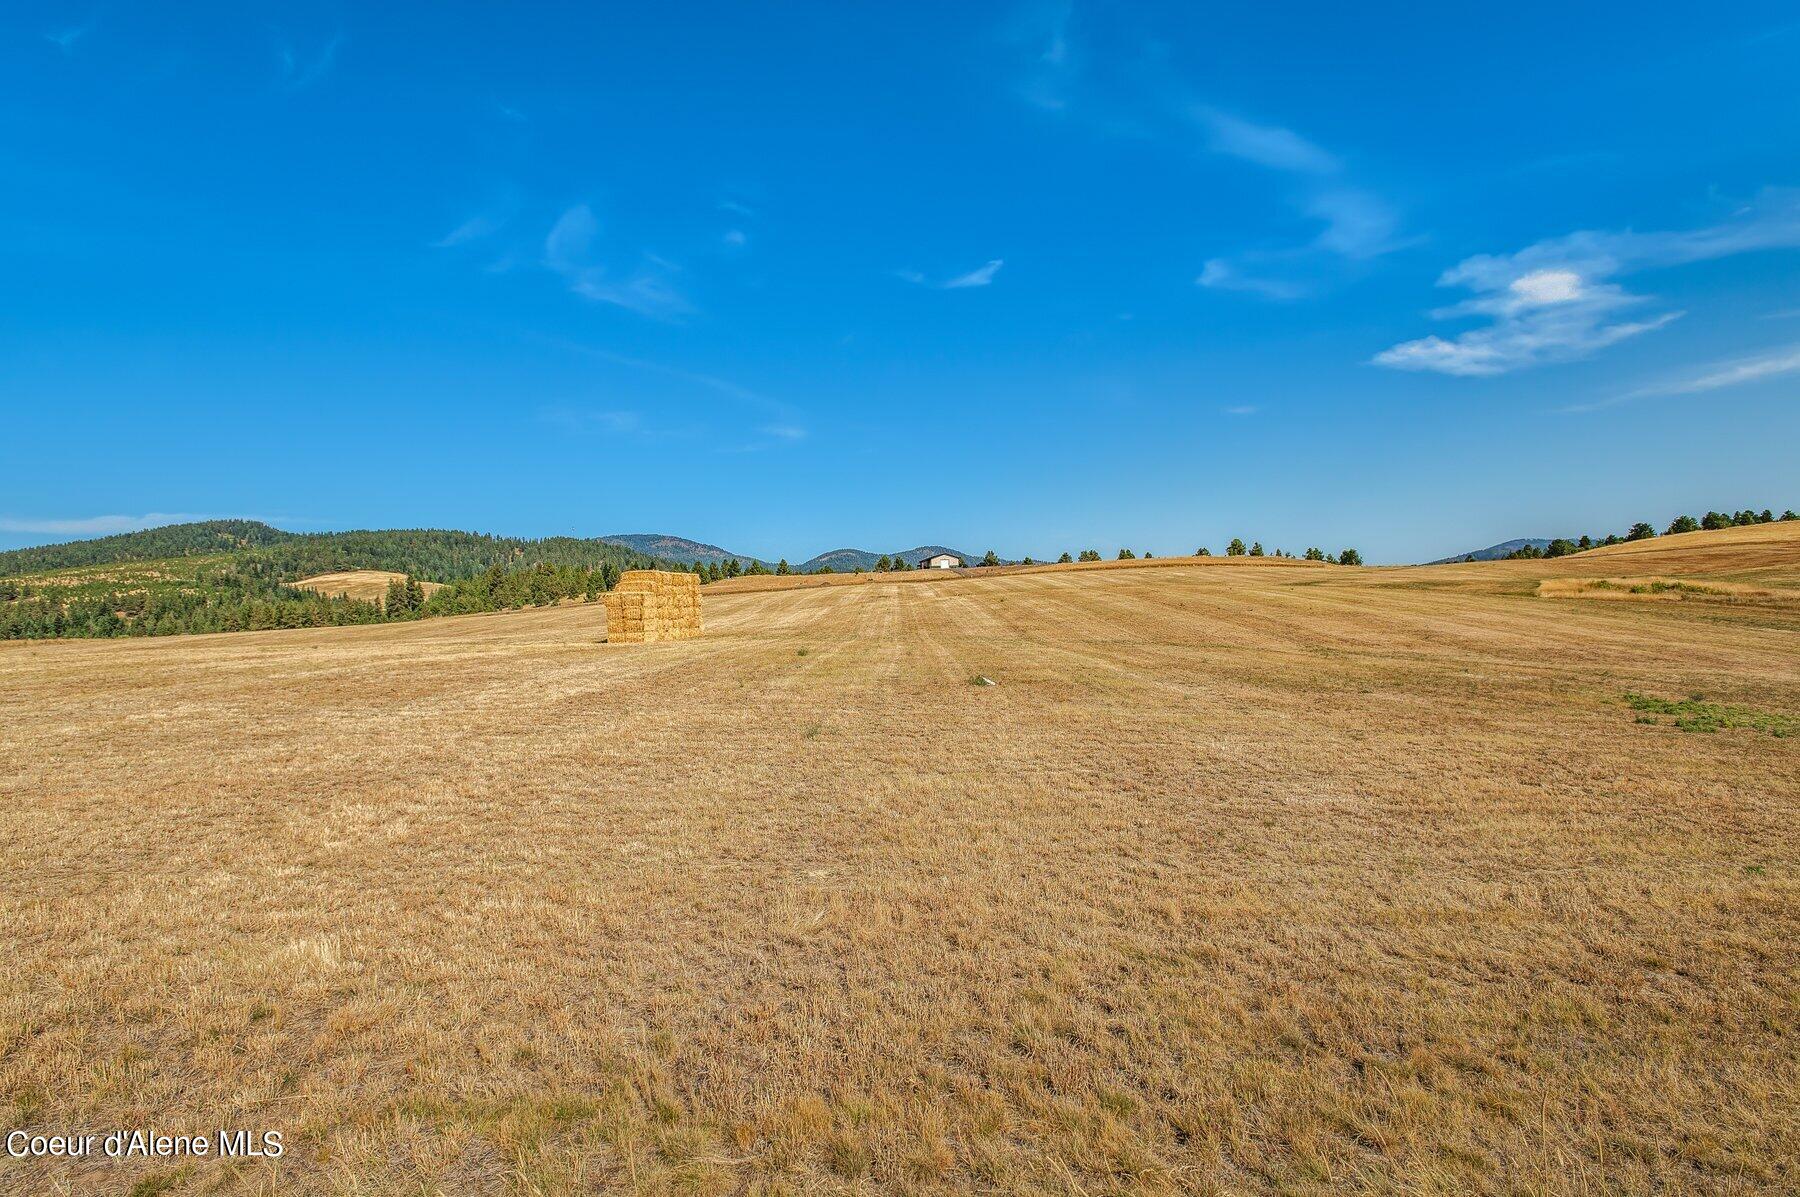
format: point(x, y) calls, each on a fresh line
point(985, 681)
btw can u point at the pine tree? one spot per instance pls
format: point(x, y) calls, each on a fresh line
point(1350, 557)
point(1256, 549)
point(1063, 560)
point(1235, 548)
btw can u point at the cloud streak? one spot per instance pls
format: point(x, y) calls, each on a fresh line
point(1357, 224)
point(1220, 275)
point(1270, 146)
point(981, 276)
point(649, 290)
point(64, 39)
point(1778, 363)
point(1554, 301)
point(297, 72)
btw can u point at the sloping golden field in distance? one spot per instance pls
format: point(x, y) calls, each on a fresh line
point(1242, 879)
point(369, 585)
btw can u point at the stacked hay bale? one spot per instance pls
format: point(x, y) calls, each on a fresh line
point(649, 605)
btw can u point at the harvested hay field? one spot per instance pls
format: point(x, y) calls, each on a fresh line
point(1240, 880)
point(1655, 589)
point(369, 585)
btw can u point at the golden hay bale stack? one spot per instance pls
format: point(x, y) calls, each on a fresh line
point(650, 605)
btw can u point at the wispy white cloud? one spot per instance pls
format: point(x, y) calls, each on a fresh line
point(96, 525)
point(1241, 409)
point(777, 421)
point(296, 70)
point(981, 276)
point(510, 113)
point(589, 423)
point(1059, 73)
point(713, 382)
point(1552, 301)
point(1221, 275)
point(64, 39)
point(1266, 145)
point(649, 290)
point(735, 238)
point(1357, 223)
point(1735, 372)
point(1042, 31)
point(473, 229)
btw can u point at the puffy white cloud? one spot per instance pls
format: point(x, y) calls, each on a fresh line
point(1553, 301)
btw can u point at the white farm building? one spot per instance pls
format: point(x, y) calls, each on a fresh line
point(941, 561)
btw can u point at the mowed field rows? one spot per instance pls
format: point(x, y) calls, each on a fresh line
point(1244, 877)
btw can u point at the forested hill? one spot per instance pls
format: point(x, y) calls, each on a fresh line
point(241, 575)
point(205, 539)
point(679, 548)
point(428, 554)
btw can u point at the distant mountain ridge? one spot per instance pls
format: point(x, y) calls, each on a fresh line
point(850, 560)
point(1496, 552)
point(843, 561)
point(430, 554)
point(678, 548)
point(439, 555)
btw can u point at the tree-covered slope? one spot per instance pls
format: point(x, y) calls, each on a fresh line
point(431, 554)
point(207, 538)
point(678, 548)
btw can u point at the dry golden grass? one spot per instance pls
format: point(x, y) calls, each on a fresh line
point(1756, 552)
point(1240, 880)
point(1659, 589)
point(369, 585)
point(763, 582)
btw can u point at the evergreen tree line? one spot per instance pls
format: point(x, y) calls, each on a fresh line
point(237, 575)
point(222, 599)
point(247, 597)
point(432, 555)
point(1562, 546)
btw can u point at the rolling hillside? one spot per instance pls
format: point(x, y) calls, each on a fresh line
point(1496, 552)
point(679, 549)
point(241, 575)
point(848, 560)
point(364, 585)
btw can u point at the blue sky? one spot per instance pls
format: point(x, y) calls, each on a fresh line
point(788, 278)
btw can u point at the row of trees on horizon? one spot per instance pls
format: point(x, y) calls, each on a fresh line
point(731, 567)
point(1712, 521)
point(253, 590)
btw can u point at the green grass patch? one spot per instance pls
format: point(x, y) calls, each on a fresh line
point(1696, 714)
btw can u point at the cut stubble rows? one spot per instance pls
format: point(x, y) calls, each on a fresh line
point(1240, 879)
